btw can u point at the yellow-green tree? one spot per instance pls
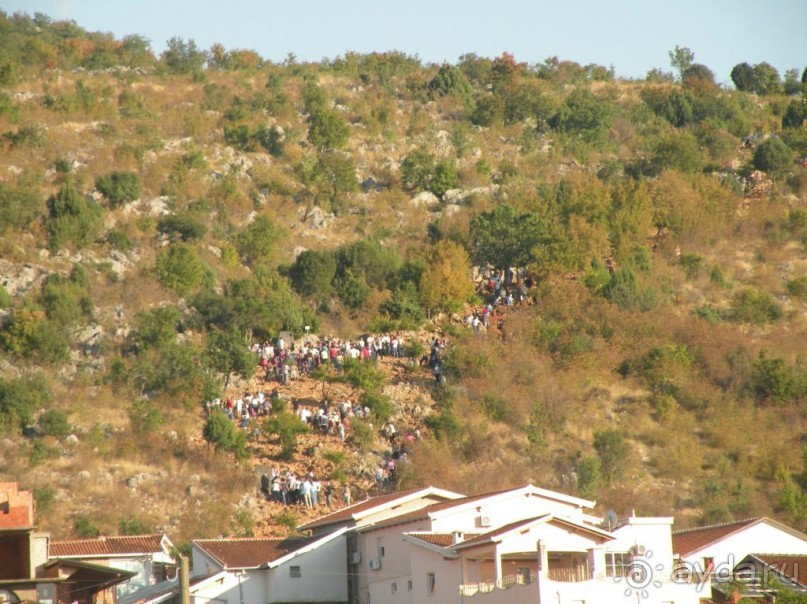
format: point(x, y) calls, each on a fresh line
point(445, 281)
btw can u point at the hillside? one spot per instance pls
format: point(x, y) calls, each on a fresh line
point(159, 214)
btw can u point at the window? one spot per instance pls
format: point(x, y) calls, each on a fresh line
point(380, 546)
point(294, 572)
point(394, 587)
point(430, 583)
point(617, 564)
point(409, 585)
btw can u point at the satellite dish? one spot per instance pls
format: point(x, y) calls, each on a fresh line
point(611, 519)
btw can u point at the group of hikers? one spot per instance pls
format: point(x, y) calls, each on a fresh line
point(288, 489)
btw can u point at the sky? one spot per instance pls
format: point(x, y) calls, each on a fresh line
point(633, 36)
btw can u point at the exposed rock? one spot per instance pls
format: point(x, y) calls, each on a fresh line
point(71, 439)
point(425, 199)
point(316, 217)
point(84, 475)
point(135, 481)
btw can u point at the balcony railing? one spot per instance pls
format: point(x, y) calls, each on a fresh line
point(570, 575)
point(486, 587)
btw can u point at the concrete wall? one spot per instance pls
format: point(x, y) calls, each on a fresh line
point(323, 576)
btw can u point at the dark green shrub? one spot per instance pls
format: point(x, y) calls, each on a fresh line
point(27, 332)
point(85, 528)
point(44, 497)
point(133, 526)
point(182, 227)
point(752, 305)
point(119, 187)
point(220, 431)
point(287, 427)
point(54, 423)
point(19, 399)
point(798, 287)
point(589, 477)
point(450, 81)
point(624, 291)
point(380, 405)
point(179, 268)
point(327, 129)
point(19, 206)
point(257, 241)
point(71, 218)
point(145, 417)
point(773, 156)
point(119, 239)
point(312, 274)
point(774, 381)
point(613, 451)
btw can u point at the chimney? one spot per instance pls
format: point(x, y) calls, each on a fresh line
point(456, 537)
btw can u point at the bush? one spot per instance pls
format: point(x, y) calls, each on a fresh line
point(624, 291)
point(19, 206)
point(312, 274)
point(19, 399)
point(613, 451)
point(54, 423)
point(751, 305)
point(772, 380)
point(257, 241)
point(450, 81)
point(182, 227)
point(119, 187)
point(85, 528)
point(72, 219)
point(220, 431)
point(28, 333)
point(287, 427)
point(327, 129)
point(145, 417)
point(798, 287)
point(179, 268)
point(773, 156)
point(589, 477)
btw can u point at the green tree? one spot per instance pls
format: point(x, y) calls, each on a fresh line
point(450, 81)
point(220, 431)
point(71, 218)
point(327, 129)
point(773, 156)
point(583, 114)
point(766, 79)
point(312, 274)
point(742, 75)
point(227, 352)
point(796, 113)
point(681, 59)
point(19, 400)
point(506, 238)
point(287, 427)
point(257, 241)
point(614, 452)
point(119, 187)
point(179, 268)
point(182, 57)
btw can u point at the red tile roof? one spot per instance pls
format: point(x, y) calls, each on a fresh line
point(440, 539)
point(107, 546)
point(792, 567)
point(250, 552)
point(688, 541)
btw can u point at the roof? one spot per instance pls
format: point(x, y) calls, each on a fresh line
point(441, 539)
point(133, 545)
point(520, 525)
point(793, 567)
point(363, 508)
point(428, 511)
point(251, 552)
point(688, 541)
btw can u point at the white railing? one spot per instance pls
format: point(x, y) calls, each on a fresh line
point(486, 587)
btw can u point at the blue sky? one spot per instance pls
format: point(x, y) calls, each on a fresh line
point(632, 35)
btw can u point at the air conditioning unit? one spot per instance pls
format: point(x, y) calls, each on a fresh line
point(638, 550)
point(484, 520)
point(355, 557)
point(374, 563)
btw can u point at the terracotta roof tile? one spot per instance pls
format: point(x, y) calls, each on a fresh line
point(441, 539)
point(690, 540)
point(792, 567)
point(106, 546)
point(250, 552)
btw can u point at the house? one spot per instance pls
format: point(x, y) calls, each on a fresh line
point(525, 544)
point(26, 574)
point(718, 548)
point(149, 557)
point(234, 571)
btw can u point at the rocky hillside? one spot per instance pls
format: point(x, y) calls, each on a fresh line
point(159, 213)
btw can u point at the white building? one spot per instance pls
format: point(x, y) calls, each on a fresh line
point(519, 545)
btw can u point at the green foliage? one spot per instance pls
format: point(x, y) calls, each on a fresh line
point(380, 406)
point(505, 238)
point(220, 431)
point(72, 219)
point(183, 227)
point(182, 57)
point(312, 274)
point(257, 241)
point(130, 525)
point(287, 427)
point(145, 417)
point(179, 268)
point(795, 114)
point(227, 353)
point(45, 498)
point(451, 81)
point(583, 114)
point(362, 435)
point(156, 328)
point(327, 129)
point(28, 333)
point(624, 290)
point(589, 477)
point(773, 156)
point(420, 171)
point(798, 288)
point(19, 206)
point(54, 423)
point(403, 307)
point(774, 381)
point(752, 305)
point(119, 187)
point(19, 399)
point(66, 300)
point(681, 59)
point(5, 298)
point(613, 451)
point(85, 528)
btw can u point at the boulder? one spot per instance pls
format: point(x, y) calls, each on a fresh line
point(425, 199)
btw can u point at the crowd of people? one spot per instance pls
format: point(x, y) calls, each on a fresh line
point(288, 489)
